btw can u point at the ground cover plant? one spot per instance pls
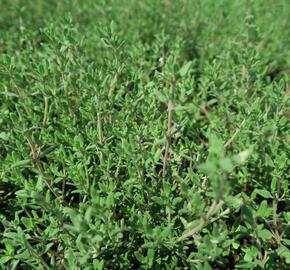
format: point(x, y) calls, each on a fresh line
point(144, 134)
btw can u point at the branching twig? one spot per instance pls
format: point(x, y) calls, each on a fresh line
point(215, 207)
point(36, 161)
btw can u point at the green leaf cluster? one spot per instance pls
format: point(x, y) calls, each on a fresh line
point(144, 134)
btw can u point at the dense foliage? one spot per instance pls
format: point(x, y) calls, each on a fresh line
point(144, 134)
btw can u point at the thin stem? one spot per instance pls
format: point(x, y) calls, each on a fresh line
point(100, 129)
point(238, 129)
point(44, 121)
point(169, 134)
point(34, 253)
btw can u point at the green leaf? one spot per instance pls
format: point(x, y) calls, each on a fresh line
point(27, 222)
point(236, 245)
point(158, 200)
point(48, 246)
point(265, 234)
point(264, 193)
point(14, 264)
point(9, 248)
point(184, 70)
point(263, 210)
point(246, 265)
point(160, 96)
point(216, 145)
point(98, 265)
point(139, 257)
point(48, 150)
point(9, 94)
point(150, 256)
point(251, 253)
point(4, 136)
point(157, 155)
point(226, 164)
point(71, 258)
point(273, 184)
point(284, 252)
point(243, 156)
point(4, 259)
point(166, 188)
point(208, 167)
point(234, 201)
point(21, 193)
point(21, 163)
